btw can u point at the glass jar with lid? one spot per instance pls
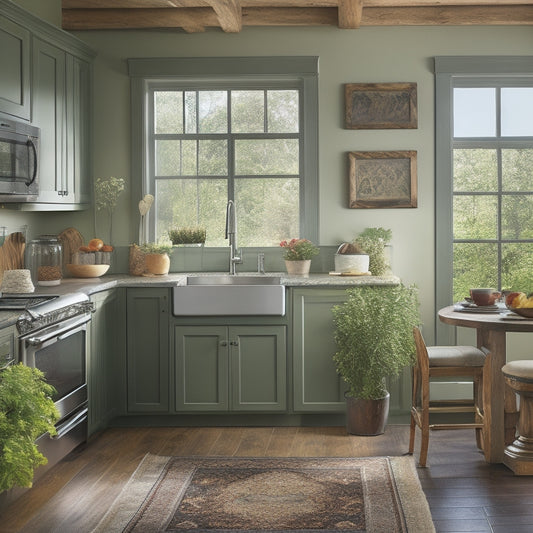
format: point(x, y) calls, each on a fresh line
point(44, 259)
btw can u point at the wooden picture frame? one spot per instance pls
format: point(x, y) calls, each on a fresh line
point(383, 179)
point(380, 106)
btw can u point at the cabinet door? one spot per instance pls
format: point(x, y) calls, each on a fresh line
point(258, 368)
point(48, 112)
point(201, 368)
point(102, 375)
point(14, 69)
point(148, 364)
point(317, 386)
point(78, 86)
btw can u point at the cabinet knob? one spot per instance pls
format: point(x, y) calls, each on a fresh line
point(234, 343)
point(223, 343)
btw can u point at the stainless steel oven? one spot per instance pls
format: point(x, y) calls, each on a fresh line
point(19, 161)
point(53, 338)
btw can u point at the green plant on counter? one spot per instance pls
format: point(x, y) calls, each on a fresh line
point(156, 248)
point(298, 249)
point(106, 193)
point(26, 412)
point(373, 242)
point(374, 336)
point(193, 235)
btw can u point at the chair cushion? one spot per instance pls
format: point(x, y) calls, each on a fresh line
point(455, 356)
point(521, 370)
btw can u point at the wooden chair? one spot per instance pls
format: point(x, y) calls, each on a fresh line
point(445, 361)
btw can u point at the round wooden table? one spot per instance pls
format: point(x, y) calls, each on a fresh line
point(500, 409)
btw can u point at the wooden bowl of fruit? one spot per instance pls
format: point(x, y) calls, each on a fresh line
point(520, 303)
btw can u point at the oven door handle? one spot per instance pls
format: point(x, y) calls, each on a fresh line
point(63, 429)
point(59, 334)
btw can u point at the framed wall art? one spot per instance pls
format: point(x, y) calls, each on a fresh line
point(383, 179)
point(380, 106)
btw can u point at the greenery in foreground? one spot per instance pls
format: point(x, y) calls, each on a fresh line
point(26, 412)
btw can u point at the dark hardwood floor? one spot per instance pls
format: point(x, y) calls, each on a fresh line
point(464, 493)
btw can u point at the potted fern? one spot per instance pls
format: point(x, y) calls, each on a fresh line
point(26, 412)
point(373, 334)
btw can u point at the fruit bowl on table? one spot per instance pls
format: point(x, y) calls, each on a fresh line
point(526, 312)
point(87, 271)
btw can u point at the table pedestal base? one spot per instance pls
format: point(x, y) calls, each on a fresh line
point(518, 456)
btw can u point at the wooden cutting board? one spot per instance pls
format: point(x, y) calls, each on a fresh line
point(71, 240)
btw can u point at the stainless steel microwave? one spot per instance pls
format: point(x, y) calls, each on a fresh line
point(19, 161)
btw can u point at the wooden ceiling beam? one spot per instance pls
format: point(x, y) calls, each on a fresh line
point(229, 13)
point(200, 18)
point(350, 13)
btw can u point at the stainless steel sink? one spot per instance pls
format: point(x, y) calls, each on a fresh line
point(223, 295)
point(227, 279)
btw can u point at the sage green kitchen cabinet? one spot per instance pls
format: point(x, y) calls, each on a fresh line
point(8, 346)
point(102, 360)
point(230, 368)
point(61, 109)
point(316, 384)
point(15, 44)
point(148, 360)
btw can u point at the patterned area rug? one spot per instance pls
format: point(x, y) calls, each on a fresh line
point(223, 494)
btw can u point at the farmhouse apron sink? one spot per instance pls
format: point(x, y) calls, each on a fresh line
point(222, 295)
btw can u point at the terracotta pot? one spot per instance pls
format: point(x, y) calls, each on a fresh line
point(298, 268)
point(367, 417)
point(157, 263)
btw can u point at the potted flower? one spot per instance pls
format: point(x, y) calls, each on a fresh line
point(298, 254)
point(188, 236)
point(156, 257)
point(27, 411)
point(374, 338)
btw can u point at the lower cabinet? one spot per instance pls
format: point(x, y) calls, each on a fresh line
point(316, 384)
point(102, 361)
point(148, 371)
point(230, 368)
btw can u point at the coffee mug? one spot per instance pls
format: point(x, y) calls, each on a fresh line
point(484, 296)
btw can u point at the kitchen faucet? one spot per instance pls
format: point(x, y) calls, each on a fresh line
point(231, 234)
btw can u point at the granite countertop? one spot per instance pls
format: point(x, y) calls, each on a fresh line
point(93, 285)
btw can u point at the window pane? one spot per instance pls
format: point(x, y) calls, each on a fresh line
point(190, 111)
point(475, 217)
point(474, 112)
point(247, 111)
point(475, 170)
point(516, 267)
point(267, 210)
point(517, 170)
point(266, 156)
point(282, 111)
point(191, 202)
point(168, 111)
point(213, 112)
point(167, 158)
point(474, 265)
point(517, 111)
point(517, 217)
point(212, 158)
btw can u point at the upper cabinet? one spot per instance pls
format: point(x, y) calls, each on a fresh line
point(15, 68)
point(58, 101)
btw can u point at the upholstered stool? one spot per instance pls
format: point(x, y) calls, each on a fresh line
point(518, 456)
point(446, 361)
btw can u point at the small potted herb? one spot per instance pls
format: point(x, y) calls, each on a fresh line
point(373, 242)
point(186, 236)
point(298, 254)
point(156, 256)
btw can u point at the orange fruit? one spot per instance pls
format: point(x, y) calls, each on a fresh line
point(107, 248)
point(84, 249)
point(95, 244)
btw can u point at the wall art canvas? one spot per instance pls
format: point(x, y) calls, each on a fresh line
point(383, 179)
point(381, 106)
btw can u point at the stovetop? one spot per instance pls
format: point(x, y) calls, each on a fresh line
point(13, 302)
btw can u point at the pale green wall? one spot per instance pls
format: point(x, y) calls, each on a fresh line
point(346, 56)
